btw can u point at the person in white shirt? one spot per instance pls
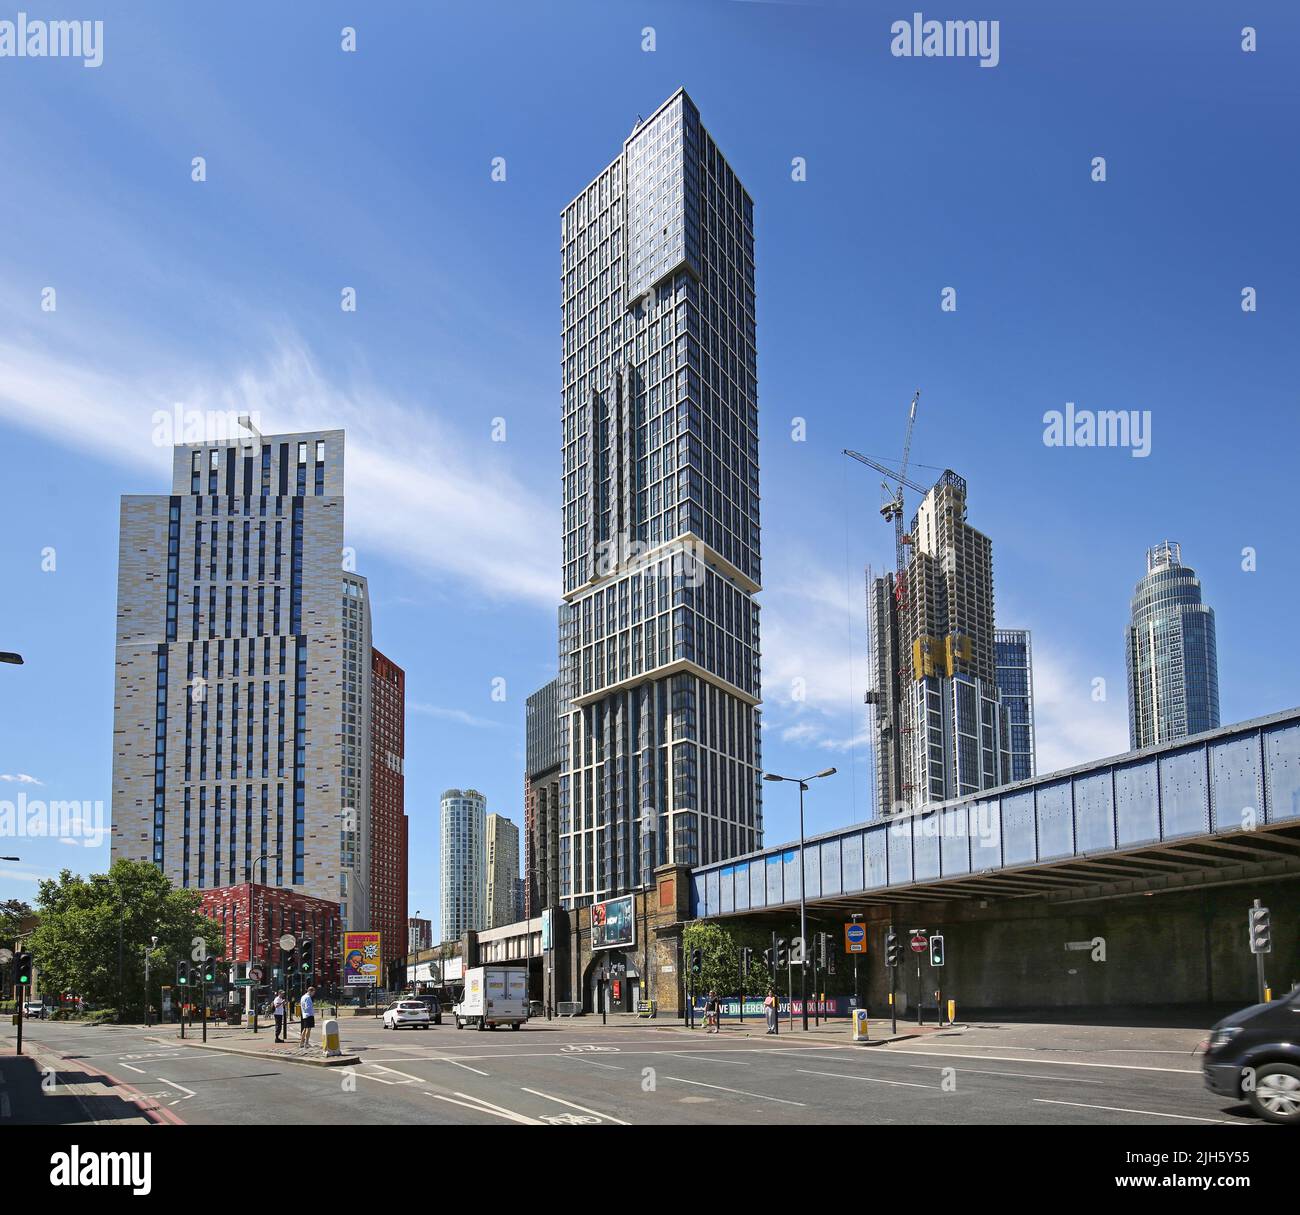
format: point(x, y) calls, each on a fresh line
point(277, 1007)
point(308, 1006)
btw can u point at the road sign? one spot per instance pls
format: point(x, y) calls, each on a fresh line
point(256, 973)
point(245, 982)
point(288, 941)
point(920, 943)
point(855, 938)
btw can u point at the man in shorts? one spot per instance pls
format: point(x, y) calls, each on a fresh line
point(308, 1005)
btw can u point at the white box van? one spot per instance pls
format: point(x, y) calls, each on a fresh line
point(494, 995)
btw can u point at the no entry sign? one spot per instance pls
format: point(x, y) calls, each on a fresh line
point(920, 943)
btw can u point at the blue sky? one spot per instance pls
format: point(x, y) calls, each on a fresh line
point(373, 170)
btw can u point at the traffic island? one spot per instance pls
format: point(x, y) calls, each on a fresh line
point(285, 1052)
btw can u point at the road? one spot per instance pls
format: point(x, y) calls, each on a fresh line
point(578, 1073)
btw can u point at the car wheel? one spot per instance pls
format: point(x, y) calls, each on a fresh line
point(515, 1025)
point(1276, 1095)
point(482, 1025)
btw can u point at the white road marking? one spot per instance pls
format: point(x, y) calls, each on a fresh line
point(868, 1079)
point(407, 1078)
point(613, 1067)
point(1123, 1067)
point(574, 1106)
point(481, 1109)
point(1022, 1075)
point(189, 1092)
point(499, 1109)
point(695, 1054)
point(1119, 1109)
point(738, 1091)
point(466, 1066)
point(135, 1069)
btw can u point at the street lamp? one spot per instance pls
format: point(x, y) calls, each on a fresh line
point(250, 999)
point(153, 944)
point(802, 782)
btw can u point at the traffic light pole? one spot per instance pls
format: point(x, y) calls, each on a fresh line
point(893, 988)
point(803, 914)
point(18, 999)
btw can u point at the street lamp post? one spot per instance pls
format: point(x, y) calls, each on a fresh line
point(153, 944)
point(248, 972)
point(802, 782)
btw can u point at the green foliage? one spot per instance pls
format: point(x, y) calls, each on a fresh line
point(722, 946)
point(12, 913)
point(82, 920)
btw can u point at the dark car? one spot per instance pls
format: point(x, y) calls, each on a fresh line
point(435, 1009)
point(1255, 1054)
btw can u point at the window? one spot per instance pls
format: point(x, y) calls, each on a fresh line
point(320, 451)
point(302, 453)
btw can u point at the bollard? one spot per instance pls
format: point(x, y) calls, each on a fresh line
point(952, 1012)
point(861, 1026)
point(332, 1046)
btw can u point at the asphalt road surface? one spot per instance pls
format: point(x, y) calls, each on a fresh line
point(578, 1073)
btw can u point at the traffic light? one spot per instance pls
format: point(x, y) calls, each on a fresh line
point(936, 951)
point(697, 960)
point(307, 958)
point(23, 969)
point(827, 943)
point(893, 949)
point(782, 954)
point(182, 974)
point(209, 969)
point(290, 962)
point(1261, 930)
point(745, 955)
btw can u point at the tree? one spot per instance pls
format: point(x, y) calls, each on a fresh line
point(82, 921)
point(720, 947)
point(13, 912)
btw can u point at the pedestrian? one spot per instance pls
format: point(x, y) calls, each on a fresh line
point(277, 1007)
point(770, 1010)
point(713, 1013)
point(308, 1006)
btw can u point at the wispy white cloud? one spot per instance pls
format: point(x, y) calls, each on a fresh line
point(1070, 726)
point(21, 778)
point(420, 491)
point(457, 715)
point(19, 875)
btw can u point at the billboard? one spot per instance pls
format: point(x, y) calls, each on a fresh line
point(361, 959)
point(613, 924)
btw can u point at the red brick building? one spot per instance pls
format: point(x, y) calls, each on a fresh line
point(388, 821)
point(275, 911)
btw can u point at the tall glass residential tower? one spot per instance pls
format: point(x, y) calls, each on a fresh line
point(1014, 658)
point(659, 656)
point(1172, 659)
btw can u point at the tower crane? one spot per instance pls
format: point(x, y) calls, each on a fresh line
point(892, 511)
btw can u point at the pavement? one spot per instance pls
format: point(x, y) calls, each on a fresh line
point(577, 1072)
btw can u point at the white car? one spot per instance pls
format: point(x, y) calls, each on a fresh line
point(36, 1009)
point(411, 1013)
